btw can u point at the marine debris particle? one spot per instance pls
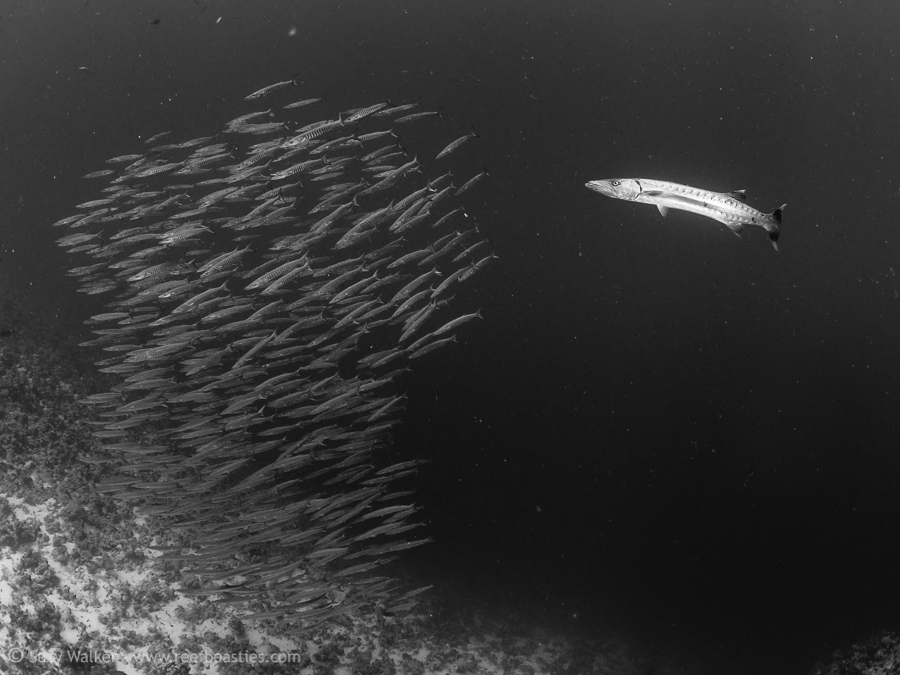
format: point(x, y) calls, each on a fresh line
point(269, 284)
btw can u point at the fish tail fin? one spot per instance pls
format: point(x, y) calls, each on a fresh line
point(774, 225)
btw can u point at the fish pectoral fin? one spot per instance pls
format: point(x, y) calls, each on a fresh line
point(663, 209)
point(737, 228)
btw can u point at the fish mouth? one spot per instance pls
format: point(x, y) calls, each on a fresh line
point(601, 186)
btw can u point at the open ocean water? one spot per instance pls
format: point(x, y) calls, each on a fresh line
point(657, 426)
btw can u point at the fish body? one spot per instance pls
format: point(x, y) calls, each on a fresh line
point(259, 93)
point(455, 144)
point(726, 207)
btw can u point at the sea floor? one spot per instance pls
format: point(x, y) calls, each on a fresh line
point(81, 595)
point(82, 592)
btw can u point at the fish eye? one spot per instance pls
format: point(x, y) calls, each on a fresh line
point(615, 182)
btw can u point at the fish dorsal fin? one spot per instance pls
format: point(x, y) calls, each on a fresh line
point(740, 195)
point(662, 209)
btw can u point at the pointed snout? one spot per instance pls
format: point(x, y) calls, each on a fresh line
point(602, 186)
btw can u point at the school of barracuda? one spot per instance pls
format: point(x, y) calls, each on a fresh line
point(269, 284)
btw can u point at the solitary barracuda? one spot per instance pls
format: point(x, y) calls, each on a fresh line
point(726, 207)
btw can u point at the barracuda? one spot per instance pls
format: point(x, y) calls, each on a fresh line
point(255, 339)
point(726, 207)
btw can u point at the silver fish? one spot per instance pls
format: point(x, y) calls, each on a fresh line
point(259, 93)
point(257, 326)
point(455, 144)
point(726, 207)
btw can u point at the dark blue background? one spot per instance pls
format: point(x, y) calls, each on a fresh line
point(657, 424)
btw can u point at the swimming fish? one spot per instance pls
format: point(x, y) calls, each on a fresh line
point(266, 288)
point(265, 91)
point(726, 207)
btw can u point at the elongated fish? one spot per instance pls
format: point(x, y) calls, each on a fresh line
point(726, 207)
point(259, 93)
point(256, 331)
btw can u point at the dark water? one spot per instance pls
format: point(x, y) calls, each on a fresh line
point(657, 424)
